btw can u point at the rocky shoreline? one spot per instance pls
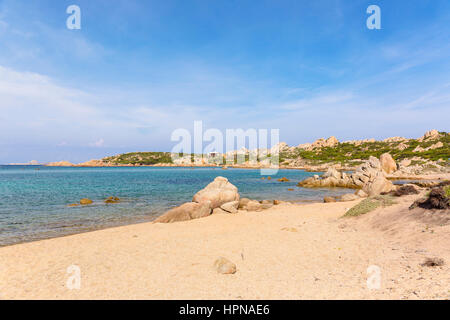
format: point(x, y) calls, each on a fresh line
point(416, 158)
point(218, 197)
point(370, 177)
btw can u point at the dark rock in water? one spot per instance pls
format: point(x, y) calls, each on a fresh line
point(112, 200)
point(73, 205)
point(85, 201)
point(436, 200)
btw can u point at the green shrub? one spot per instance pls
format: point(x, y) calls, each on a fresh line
point(447, 191)
point(343, 152)
point(140, 158)
point(370, 204)
point(363, 207)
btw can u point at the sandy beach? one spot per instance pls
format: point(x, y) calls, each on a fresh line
point(286, 252)
point(278, 150)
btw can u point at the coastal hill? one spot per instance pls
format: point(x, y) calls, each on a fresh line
point(433, 145)
point(431, 150)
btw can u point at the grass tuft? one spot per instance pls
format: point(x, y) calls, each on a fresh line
point(447, 191)
point(370, 204)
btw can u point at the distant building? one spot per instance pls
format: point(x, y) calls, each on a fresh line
point(213, 154)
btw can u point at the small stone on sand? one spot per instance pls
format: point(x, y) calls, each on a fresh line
point(224, 266)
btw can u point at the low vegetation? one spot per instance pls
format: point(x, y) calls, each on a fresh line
point(399, 150)
point(370, 204)
point(435, 148)
point(140, 158)
point(447, 191)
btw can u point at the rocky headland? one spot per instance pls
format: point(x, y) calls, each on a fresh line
point(414, 158)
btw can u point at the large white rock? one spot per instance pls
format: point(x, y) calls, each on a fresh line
point(218, 192)
point(378, 185)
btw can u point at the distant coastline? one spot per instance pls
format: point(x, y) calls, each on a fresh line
point(415, 156)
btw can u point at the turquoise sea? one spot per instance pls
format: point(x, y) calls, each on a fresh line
point(34, 199)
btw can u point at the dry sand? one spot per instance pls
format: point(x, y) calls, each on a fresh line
point(320, 256)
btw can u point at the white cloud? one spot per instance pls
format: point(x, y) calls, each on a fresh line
point(99, 143)
point(319, 101)
point(35, 108)
point(34, 100)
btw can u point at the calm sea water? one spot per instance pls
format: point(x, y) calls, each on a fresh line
point(33, 200)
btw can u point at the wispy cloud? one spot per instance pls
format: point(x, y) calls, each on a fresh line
point(319, 101)
point(307, 68)
point(98, 144)
point(36, 108)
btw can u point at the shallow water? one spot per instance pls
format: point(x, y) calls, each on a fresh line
point(33, 200)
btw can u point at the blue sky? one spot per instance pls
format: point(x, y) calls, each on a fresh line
point(137, 70)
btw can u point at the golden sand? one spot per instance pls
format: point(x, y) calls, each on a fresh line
point(286, 252)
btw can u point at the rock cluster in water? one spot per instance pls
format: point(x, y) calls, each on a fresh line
point(110, 200)
point(220, 196)
point(369, 176)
